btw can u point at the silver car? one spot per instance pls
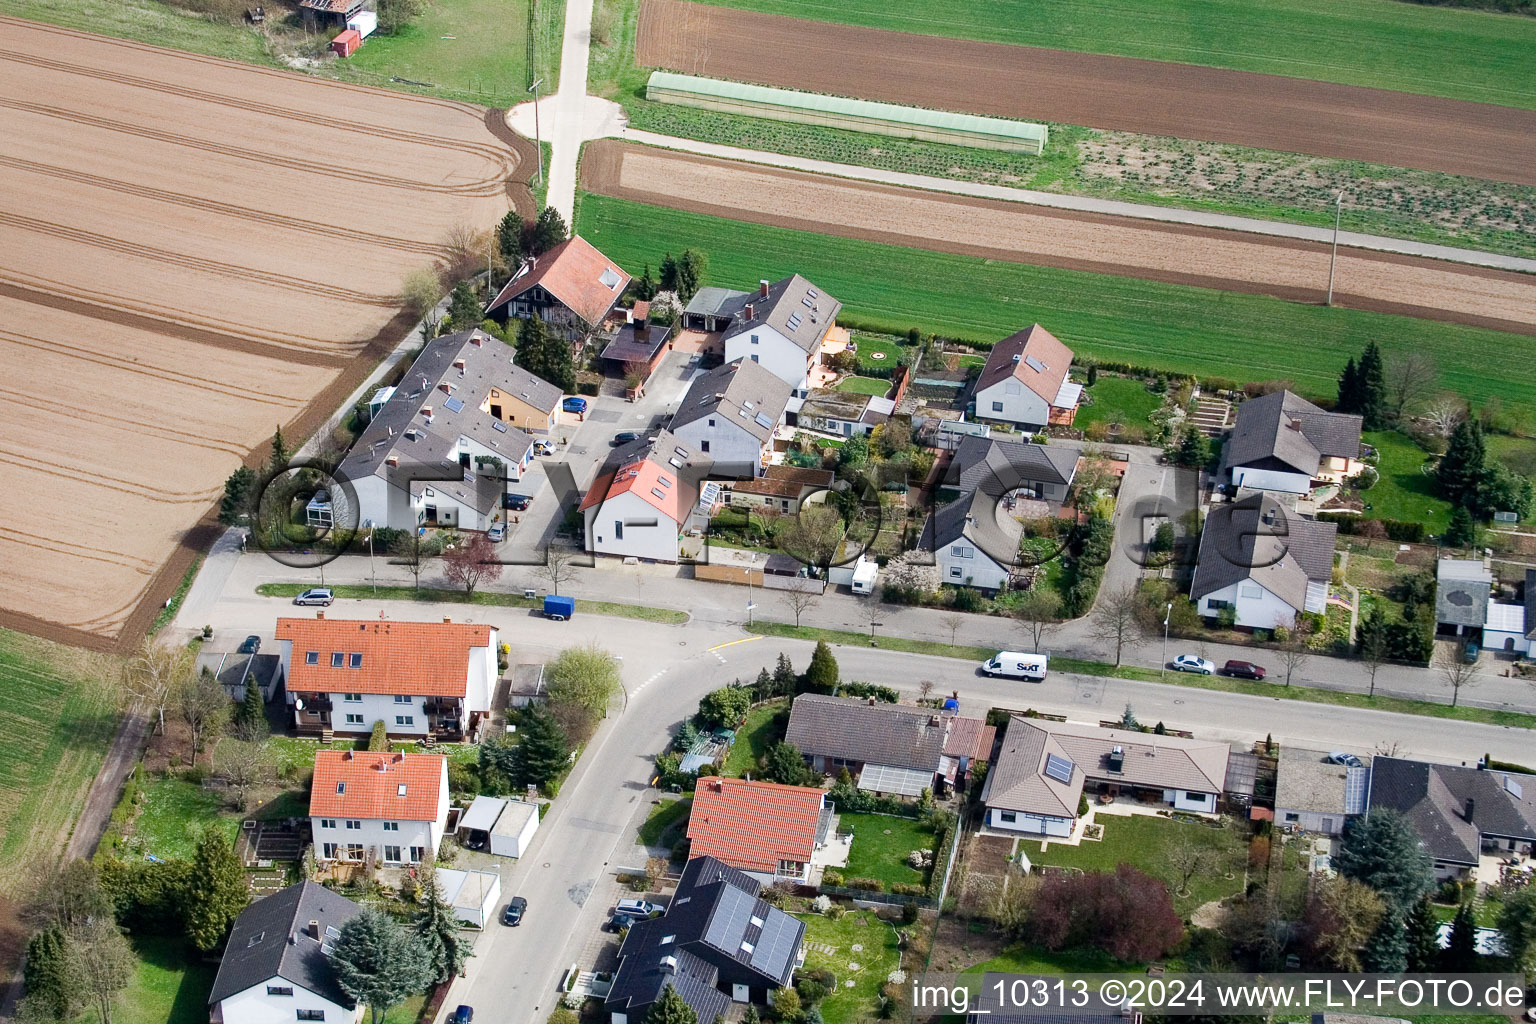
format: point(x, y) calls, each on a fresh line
point(316, 595)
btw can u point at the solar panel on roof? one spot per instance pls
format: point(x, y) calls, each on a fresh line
point(1035, 364)
point(498, 426)
point(1356, 781)
point(1058, 768)
point(454, 405)
point(1514, 788)
point(775, 945)
point(763, 420)
point(709, 493)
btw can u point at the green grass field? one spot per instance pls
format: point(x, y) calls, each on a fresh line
point(1404, 490)
point(1436, 51)
point(887, 349)
point(1118, 400)
point(1171, 327)
point(58, 722)
point(1034, 960)
point(173, 816)
point(169, 985)
point(881, 843)
point(866, 967)
point(864, 386)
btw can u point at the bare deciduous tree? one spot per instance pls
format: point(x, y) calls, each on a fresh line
point(1188, 854)
point(1458, 671)
point(1116, 620)
point(1293, 648)
point(420, 293)
point(204, 706)
point(1444, 413)
point(1373, 654)
point(1411, 378)
point(241, 764)
point(1038, 612)
point(410, 550)
point(152, 677)
point(800, 601)
point(924, 688)
point(873, 610)
point(952, 622)
point(557, 567)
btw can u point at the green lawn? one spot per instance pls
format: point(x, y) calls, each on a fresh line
point(170, 985)
point(881, 843)
point(363, 591)
point(1517, 453)
point(1034, 960)
point(58, 721)
point(876, 958)
point(147, 21)
point(173, 815)
point(663, 816)
point(864, 386)
point(1171, 327)
point(763, 728)
point(1437, 51)
point(888, 349)
point(1404, 490)
point(1141, 841)
point(1118, 400)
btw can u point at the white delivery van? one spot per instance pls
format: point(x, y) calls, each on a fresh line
point(1013, 665)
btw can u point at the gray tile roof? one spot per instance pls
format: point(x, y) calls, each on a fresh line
point(789, 297)
point(1291, 431)
point(1462, 588)
point(628, 347)
point(402, 428)
point(1001, 466)
point(855, 730)
point(1255, 539)
point(1434, 797)
point(1308, 781)
point(740, 391)
point(259, 948)
point(712, 301)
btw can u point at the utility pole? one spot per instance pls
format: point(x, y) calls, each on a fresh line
point(1162, 670)
point(538, 140)
point(1338, 211)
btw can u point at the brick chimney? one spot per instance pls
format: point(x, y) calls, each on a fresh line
point(319, 615)
point(314, 930)
point(762, 288)
point(746, 311)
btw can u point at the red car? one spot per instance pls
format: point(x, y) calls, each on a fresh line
point(1243, 670)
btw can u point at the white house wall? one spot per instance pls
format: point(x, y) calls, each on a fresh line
point(728, 443)
point(1029, 824)
point(776, 353)
point(1331, 824)
point(373, 707)
point(483, 671)
point(1184, 800)
point(1015, 404)
point(254, 1006)
point(1501, 640)
point(1272, 480)
point(1256, 607)
point(980, 570)
point(371, 832)
point(657, 542)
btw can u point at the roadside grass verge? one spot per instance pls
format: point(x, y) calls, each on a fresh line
point(1169, 327)
point(1278, 691)
point(1477, 56)
point(880, 846)
point(174, 605)
point(58, 718)
point(431, 595)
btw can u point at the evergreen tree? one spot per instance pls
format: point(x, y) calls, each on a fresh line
point(509, 239)
point(1194, 449)
point(560, 368)
point(253, 708)
point(217, 892)
point(446, 944)
point(783, 676)
point(1423, 940)
point(1349, 388)
point(548, 231)
point(821, 674)
point(1386, 952)
point(1384, 852)
point(690, 274)
point(1461, 467)
point(281, 456)
point(668, 272)
point(544, 749)
point(379, 963)
point(751, 1016)
point(464, 309)
point(1093, 374)
point(786, 766)
point(1517, 925)
point(671, 1008)
point(645, 287)
point(239, 494)
point(1460, 953)
point(1462, 531)
point(47, 976)
point(762, 686)
point(1373, 389)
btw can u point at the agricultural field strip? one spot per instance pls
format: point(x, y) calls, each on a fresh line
point(1150, 97)
point(214, 281)
point(1088, 204)
point(1284, 268)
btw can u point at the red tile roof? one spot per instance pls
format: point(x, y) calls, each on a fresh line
point(753, 825)
point(371, 783)
point(970, 737)
point(420, 659)
point(1011, 358)
point(662, 486)
point(573, 273)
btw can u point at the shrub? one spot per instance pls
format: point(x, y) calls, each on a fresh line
point(821, 904)
point(378, 739)
point(884, 694)
point(908, 912)
point(867, 884)
point(810, 991)
point(831, 876)
point(909, 889)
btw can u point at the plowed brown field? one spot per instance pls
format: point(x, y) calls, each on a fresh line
point(1151, 97)
point(1027, 234)
point(192, 252)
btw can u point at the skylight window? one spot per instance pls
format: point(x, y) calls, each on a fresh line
point(338, 659)
point(355, 660)
point(400, 790)
point(666, 940)
point(747, 947)
point(312, 658)
point(341, 788)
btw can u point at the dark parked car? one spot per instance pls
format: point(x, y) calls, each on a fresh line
point(513, 914)
point(1243, 670)
point(250, 645)
point(463, 1015)
point(516, 502)
point(618, 922)
point(625, 437)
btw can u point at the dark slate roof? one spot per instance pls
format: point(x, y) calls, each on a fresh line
point(1288, 428)
point(709, 919)
point(1256, 539)
point(785, 299)
point(1434, 798)
point(1530, 603)
point(628, 347)
point(739, 391)
point(231, 670)
point(898, 735)
point(987, 1006)
point(260, 949)
point(998, 467)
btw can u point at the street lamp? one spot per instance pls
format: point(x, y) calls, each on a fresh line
point(750, 605)
point(538, 140)
point(372, 577)
point(1338, 211)
point(1162, 670)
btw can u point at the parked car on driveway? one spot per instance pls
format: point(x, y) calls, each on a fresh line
point(513, 913)
point(1194, 663)
point(637, 908)
point(625, 437)
point(1470, 650)
point(1347, 760)
point(1243, 670)
point(516, 502)
point(316, 595)
point(618, 922)
point(574, 404)
point(543, 448)
point(250, 645)
point(496, 533)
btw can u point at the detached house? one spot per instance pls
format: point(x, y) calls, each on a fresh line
point(418, 678)
point(718, 943)
point(571, 287)
point(1266, 566)
point(1045, 768)
point(890, 748)
point(1461, 814)
point(1462, 589)
point(1282, 442)
point(780, 489)
point(1512, 627)
point(769, 831)
point(1315, 793)
point(277, 963)
point(441, 448)
point(843, 413)
point(1024, 381)
point(730, 414)
point(781, 326)
point(644, 497)
point(391, 807)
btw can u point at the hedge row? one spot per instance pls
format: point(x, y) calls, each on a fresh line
point(1397, 529)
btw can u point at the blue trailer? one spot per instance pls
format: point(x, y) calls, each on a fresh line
point(559, 608)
